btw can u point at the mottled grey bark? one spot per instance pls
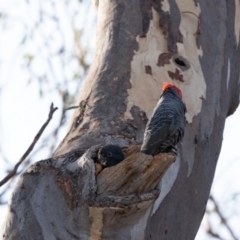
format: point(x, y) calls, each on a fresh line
point(140, 44)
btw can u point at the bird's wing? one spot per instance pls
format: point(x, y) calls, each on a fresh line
point(155, 137)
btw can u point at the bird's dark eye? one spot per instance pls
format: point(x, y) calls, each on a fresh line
point(109, 154)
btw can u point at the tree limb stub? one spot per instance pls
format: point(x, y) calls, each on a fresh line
point(70, 190)
point(138, 173)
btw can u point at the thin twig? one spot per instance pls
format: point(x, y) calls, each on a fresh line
point(211, 232)
point(30, 148)
point(223, 219)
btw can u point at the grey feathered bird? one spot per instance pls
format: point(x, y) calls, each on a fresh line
point(110, 155)
point(165, 128)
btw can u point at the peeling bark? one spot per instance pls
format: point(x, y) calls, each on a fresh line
point(193, 44)
point(176, 75)
point(164, 58)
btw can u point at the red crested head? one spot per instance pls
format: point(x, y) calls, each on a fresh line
point(167, 86)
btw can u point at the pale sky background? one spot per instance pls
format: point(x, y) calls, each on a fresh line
point(23, 111)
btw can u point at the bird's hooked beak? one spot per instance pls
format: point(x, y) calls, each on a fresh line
point(102, 159)
point(104, 162)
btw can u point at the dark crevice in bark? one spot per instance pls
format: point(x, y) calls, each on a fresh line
point(146, 11)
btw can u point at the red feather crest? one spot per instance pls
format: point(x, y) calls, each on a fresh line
point(167, 86)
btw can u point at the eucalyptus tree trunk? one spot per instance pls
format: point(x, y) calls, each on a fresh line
point(140, 45)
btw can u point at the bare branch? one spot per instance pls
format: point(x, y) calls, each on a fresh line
point(30, 148)
point(210, 231)
point(223, 219)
